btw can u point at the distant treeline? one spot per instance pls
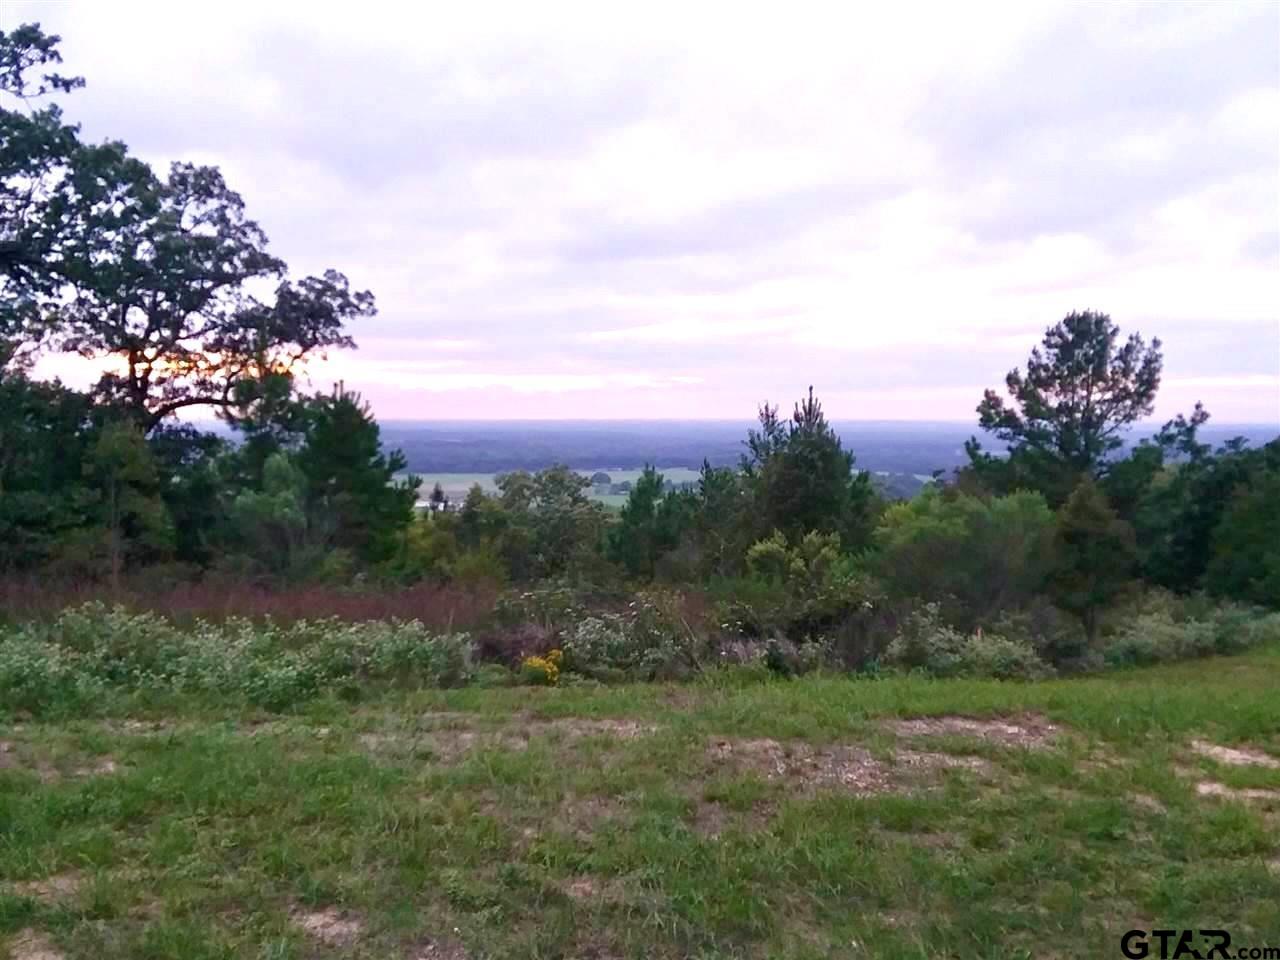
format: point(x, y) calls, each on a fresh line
point(910, 448)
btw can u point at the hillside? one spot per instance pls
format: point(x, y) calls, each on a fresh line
point(734, 817)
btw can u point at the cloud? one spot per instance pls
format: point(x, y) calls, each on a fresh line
point(675, 210)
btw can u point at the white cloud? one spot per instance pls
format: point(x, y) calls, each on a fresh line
point(688, 208)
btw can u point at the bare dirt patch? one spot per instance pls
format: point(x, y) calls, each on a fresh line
point(1235, 756)
point(455, 738)
point(583, 888)
point(60, 886)
point(440, 950)
point(32, 945)
point(102, 767)
point(1028, 730)
point(446, 745)
point(1211, 788)
point(900, 919)
point(16, 756)
point(618, 729)
point(330, 925)
point(852, 768)
point(1147, 802)
point(585, 813)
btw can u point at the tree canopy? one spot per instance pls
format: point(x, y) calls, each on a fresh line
point(1067, 413)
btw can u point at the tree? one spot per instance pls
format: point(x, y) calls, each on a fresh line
point(803, 478)
point(349, 482)
point(722, 522)
point(1067, 414)
point(196, 488)
point(1245, 560)
point(1094, 555)
point(128, 505)
point(980, 556)
point(165, 294)
point(439, 501)
point(46, 431)
point(1180, 511)
point(272, 521)
point(632, 541)
point(652, 523)
point(548, 526)
point(35, 148)
point(150, 275)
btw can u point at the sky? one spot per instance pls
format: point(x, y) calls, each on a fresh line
point(682, 211)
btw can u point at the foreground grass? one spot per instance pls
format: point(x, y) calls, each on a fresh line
point(727, 818)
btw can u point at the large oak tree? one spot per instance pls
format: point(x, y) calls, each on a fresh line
point(164, 280)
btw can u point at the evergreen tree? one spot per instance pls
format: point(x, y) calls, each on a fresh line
point(350, 481)
point(1244, 561)
point(1094, 555)
point(803, 478)
point(1067, 414)
point(46, 431)
point(127, 506)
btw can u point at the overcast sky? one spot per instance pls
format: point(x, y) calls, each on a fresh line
point(614, 210)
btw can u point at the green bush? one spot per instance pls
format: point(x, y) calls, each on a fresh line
point(991, 655)
point(927, 644)
point(552, 605)
point(802, 593)
point(1056, 637)
point(649, 641)
point(984, 555)
point(91, 648)
point(1158, 637)
point(924, 642)
point(34, 676)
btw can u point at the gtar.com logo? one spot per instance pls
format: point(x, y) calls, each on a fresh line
point(1189, 945)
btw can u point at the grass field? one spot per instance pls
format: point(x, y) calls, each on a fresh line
point(734, 817)
point(456, 485)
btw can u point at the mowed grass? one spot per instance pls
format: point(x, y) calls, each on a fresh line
point(732, 817)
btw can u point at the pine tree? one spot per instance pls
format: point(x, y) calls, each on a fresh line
point(1094, 555)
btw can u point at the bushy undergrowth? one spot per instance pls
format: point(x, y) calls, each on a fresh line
point(650, 640)
point(441, 606)
point(1159, 637)
point(88, 650)
point(91, 647)
point(926, 643)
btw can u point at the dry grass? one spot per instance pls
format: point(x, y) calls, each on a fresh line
point(441, 607)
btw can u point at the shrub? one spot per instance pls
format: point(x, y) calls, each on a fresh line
point(924, 642)
point(1156, 638)
point(927, 644)
point(649, 641)
point(985, 555)
point(991, 655)
point(1056, 637)
point(804, 592)
point(509, 645)
point(541, 671)
point(552, 605)
point(92, 647)
point(34, 676)
point(784, 658)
